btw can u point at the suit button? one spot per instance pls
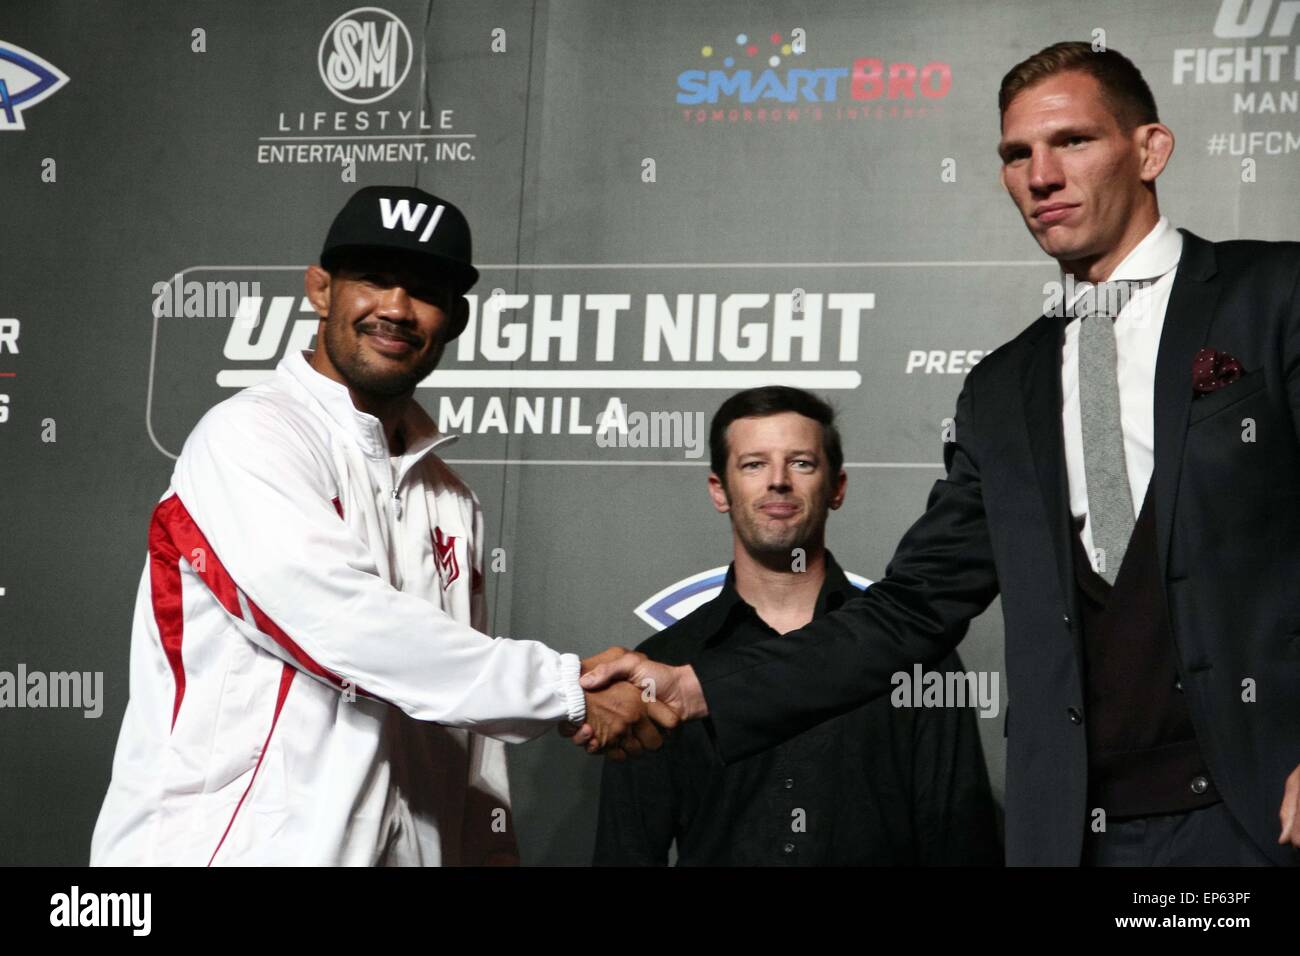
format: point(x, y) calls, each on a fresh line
point(1066, 619)
point(1178, 684)
point(789, 848)
point(1200, 785)
point(789, 783)
point(1074, 715)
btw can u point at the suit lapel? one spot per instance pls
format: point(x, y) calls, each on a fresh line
point(1187, 324)
point(1041, 385)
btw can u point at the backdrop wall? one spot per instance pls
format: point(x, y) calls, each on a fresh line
point(675, 200)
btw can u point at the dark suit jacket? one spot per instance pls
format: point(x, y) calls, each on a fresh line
point(1227, 496)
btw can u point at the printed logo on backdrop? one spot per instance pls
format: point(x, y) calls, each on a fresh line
point(775, 80)
point(679, 599)
point(363, 57)
point(914, 688)
point(1254, 54)
point(597, 364)
point(25, 80)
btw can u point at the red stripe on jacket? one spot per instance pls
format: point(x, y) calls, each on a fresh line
point(286, 679)
point(173, 534)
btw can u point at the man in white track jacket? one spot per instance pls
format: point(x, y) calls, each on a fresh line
point(309, 680)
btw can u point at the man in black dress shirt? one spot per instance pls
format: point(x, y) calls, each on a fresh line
point(878, 785)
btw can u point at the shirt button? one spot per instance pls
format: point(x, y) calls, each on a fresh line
point(789, 848)
point(789, 783)
point(1200, 785)
point(1074, 715)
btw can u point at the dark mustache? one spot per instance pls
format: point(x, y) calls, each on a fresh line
point(389, 330)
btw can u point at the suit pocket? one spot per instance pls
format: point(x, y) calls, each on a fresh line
point(1226, 397)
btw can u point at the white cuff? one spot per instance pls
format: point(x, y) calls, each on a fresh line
point(575, 701)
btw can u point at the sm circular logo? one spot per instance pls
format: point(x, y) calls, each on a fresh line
point(364, 55)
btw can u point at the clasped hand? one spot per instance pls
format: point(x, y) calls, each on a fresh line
point(630, 700)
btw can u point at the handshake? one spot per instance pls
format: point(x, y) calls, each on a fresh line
point(630, 699)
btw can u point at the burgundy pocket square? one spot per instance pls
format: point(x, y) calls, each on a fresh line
point(1213, 370)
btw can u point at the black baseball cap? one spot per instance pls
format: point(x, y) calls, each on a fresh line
point(417, 228)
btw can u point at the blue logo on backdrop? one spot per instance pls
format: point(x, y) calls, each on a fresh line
point(677, 600)
point(25, 80)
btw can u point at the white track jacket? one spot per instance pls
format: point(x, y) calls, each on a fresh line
point(306, 658)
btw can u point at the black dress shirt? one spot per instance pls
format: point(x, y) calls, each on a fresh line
point(877, 786)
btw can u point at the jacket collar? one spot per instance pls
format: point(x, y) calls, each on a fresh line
point(1153, 257)
point(1042, 400)
point(422, 435)
point(1188, 315)
point(1162, 249)
point(1192, 302)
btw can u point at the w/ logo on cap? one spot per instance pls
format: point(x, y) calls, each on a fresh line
point(399, 214)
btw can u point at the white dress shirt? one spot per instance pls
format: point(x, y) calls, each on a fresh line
point(1137, 340)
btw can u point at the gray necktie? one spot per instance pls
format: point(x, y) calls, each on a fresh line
point(1110, 502)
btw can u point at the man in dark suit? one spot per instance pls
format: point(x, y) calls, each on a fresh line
point(881, 785)
point(1128, 480)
